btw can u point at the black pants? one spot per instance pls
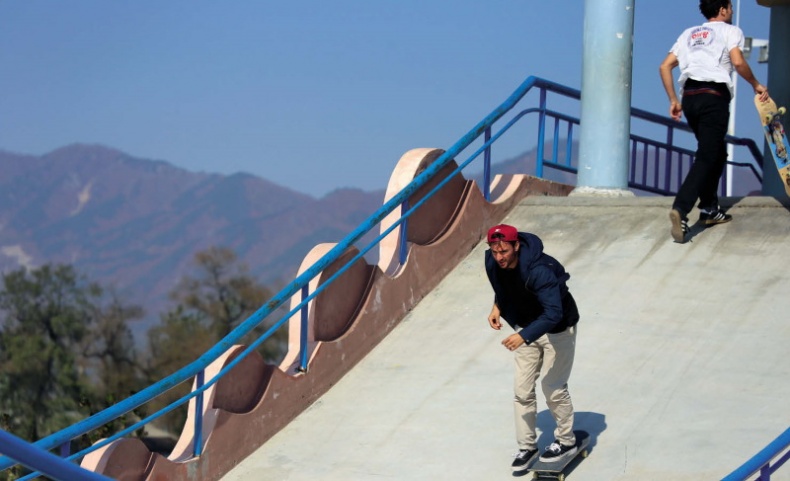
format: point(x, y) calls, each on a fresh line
point(706, 106)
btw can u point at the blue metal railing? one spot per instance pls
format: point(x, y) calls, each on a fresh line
point(669, 162)
point(43, 461)
point(301, 282)
point(762, 461)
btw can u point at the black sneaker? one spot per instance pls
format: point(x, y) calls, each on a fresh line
point(680, 226)
point(557, 452)
point(523, 458)
point(716, 216)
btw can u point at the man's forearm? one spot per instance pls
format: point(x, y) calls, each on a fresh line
point(669, 85)
point(742, 67)
point(665, 70)
point(746, 73)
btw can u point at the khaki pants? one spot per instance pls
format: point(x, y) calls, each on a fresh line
point(553, 353)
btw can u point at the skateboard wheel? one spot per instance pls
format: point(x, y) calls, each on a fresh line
point(585, 453)
point(534, 475)
point(561, 477)
point(782, 110)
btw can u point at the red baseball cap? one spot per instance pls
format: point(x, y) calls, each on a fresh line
point(502, 232)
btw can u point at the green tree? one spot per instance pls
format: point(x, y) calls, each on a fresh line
point(48, 315)
point(112, 360)
point(63, 354)
point(210, 303)
point(112, 350)
point(222, 293)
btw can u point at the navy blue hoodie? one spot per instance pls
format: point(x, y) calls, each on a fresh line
point(533, 296)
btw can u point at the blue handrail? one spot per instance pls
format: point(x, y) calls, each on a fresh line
point(301, 282)
point(762, 461)
point(47, 463)
point(673, 155)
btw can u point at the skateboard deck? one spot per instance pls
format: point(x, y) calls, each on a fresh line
point(771, 119)
point(556, 470)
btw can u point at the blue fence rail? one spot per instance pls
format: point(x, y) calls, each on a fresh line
point(766, 462)
point(656, 166)
point(39, 459)
point(667, 157)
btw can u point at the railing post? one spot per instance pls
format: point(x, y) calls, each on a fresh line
point(487, 167)
point(765, 473)
point(555, 141)
point(569, 145)
point(197, 446)
point(541, 133)
point(303, 331)
point(403, 243)
point(668, 167)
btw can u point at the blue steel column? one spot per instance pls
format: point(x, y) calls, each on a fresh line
point(606, 96)
point(778, 86)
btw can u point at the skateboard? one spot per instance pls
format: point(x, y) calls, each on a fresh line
point(771, 118)
point(556, 469)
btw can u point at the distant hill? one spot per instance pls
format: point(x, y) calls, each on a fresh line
point(136, 224)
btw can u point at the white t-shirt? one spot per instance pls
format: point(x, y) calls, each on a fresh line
point(703, 52)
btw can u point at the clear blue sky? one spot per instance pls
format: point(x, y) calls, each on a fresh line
point(312, 95)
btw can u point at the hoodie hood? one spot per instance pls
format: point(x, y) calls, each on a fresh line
point(531, 247)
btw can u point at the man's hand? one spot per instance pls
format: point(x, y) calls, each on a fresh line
point(675, 110)
point(513, 342)
point(493, 318)
point(762, 91)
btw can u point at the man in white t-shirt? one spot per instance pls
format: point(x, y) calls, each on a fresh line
point(706, 55)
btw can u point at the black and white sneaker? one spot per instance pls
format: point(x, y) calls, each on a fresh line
point(523, 459)
point(557, 452)
point(680, 226)
point(714, 216)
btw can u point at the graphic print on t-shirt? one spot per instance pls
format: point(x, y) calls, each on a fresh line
point(701, 37)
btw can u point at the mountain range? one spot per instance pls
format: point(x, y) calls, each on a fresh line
point(135, 224)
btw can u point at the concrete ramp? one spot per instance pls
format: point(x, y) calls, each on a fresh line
point(681, 372)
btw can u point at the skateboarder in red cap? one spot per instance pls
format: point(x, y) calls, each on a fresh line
point(531, 294)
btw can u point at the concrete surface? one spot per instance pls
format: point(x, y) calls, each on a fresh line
point(681, 372)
